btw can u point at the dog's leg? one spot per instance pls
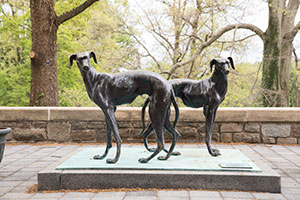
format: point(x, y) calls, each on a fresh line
point(209, 113)
point(175, 136)
point(112, 122)
point(173, 132)
point(157, 115)
point(146, 133)
point(213, 122)
point(108, 143)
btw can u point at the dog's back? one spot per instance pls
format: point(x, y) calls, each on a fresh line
point(192, 92)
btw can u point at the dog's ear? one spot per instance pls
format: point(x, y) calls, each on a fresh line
point(72, 57)
point(93, 55)
point(231, 62)
point(212, 63)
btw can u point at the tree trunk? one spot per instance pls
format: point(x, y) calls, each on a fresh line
point(44, 24)
point(278, 48)
point(271, 56)
point(43, 56)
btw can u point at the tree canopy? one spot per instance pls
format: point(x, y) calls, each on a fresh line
point(178, 40)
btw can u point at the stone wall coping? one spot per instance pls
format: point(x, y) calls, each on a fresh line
point(232, 114)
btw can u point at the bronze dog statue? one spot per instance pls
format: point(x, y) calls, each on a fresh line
point(111, 90)
point(208, 93)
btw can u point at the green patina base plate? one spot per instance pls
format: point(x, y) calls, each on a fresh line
point(190, 159)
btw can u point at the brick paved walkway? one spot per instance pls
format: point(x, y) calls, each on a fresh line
point(21, 163)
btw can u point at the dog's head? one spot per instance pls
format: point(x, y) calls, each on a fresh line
point(222, 65)
point(83, 60)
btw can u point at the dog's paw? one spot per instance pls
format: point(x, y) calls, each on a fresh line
point(175, 153)
point(215, 152)
point(98, 157)
point(143, 160)
point(162, 157)
point(152, 149)
point(111, 161)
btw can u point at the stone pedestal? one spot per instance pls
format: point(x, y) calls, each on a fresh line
point(194, 169)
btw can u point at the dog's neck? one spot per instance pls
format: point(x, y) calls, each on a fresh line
point(220, 81)
point(90, 79)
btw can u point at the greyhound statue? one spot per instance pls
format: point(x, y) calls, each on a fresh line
point(208, 93)
point(110, 90)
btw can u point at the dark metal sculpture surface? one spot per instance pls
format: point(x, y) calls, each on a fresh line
point(208, 93)
point(110, 90)
point(3, 133)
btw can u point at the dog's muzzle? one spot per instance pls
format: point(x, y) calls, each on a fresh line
point(85, 68)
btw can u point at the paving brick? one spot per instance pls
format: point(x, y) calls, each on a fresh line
point(108, 198)
point(142, 193)
point(173, 194)
point(238, 195)
point(76, 198)
point(56, 195)
point(206, 198)
point(109, 194)
point(211, 194)
point(286, 159)
point(16, 196)
point(5, 190)
point(268, 196)
point(289, 190)
point(19, 189)
point(173, 198)
point(72, 195)
point(140, 197)
point(291, 197)
point(9, 183)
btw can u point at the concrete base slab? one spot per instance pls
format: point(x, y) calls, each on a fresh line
point(194, 169)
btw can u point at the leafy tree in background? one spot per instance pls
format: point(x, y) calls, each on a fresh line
point(95, 29)
point(15, 43)
point(44, 26)
point(99, 31)
point(101, 28)
point(277, 40)
point(181, 29)
point(294, 87)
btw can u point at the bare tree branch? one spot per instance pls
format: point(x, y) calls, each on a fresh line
point(69, 15)
point(240, 40)
point(295, 30)
point(212, 39)
point(296, 57)
point(148, 52)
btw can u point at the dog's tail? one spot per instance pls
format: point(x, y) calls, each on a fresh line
point(143, 115)
point(176, 108)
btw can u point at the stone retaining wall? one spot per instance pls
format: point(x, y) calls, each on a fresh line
point(59, 124)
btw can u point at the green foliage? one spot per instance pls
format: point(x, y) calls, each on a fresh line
point(244, 86)
point(96, 29)
point(15, 44)
point(99, 29)
point(294, 92)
